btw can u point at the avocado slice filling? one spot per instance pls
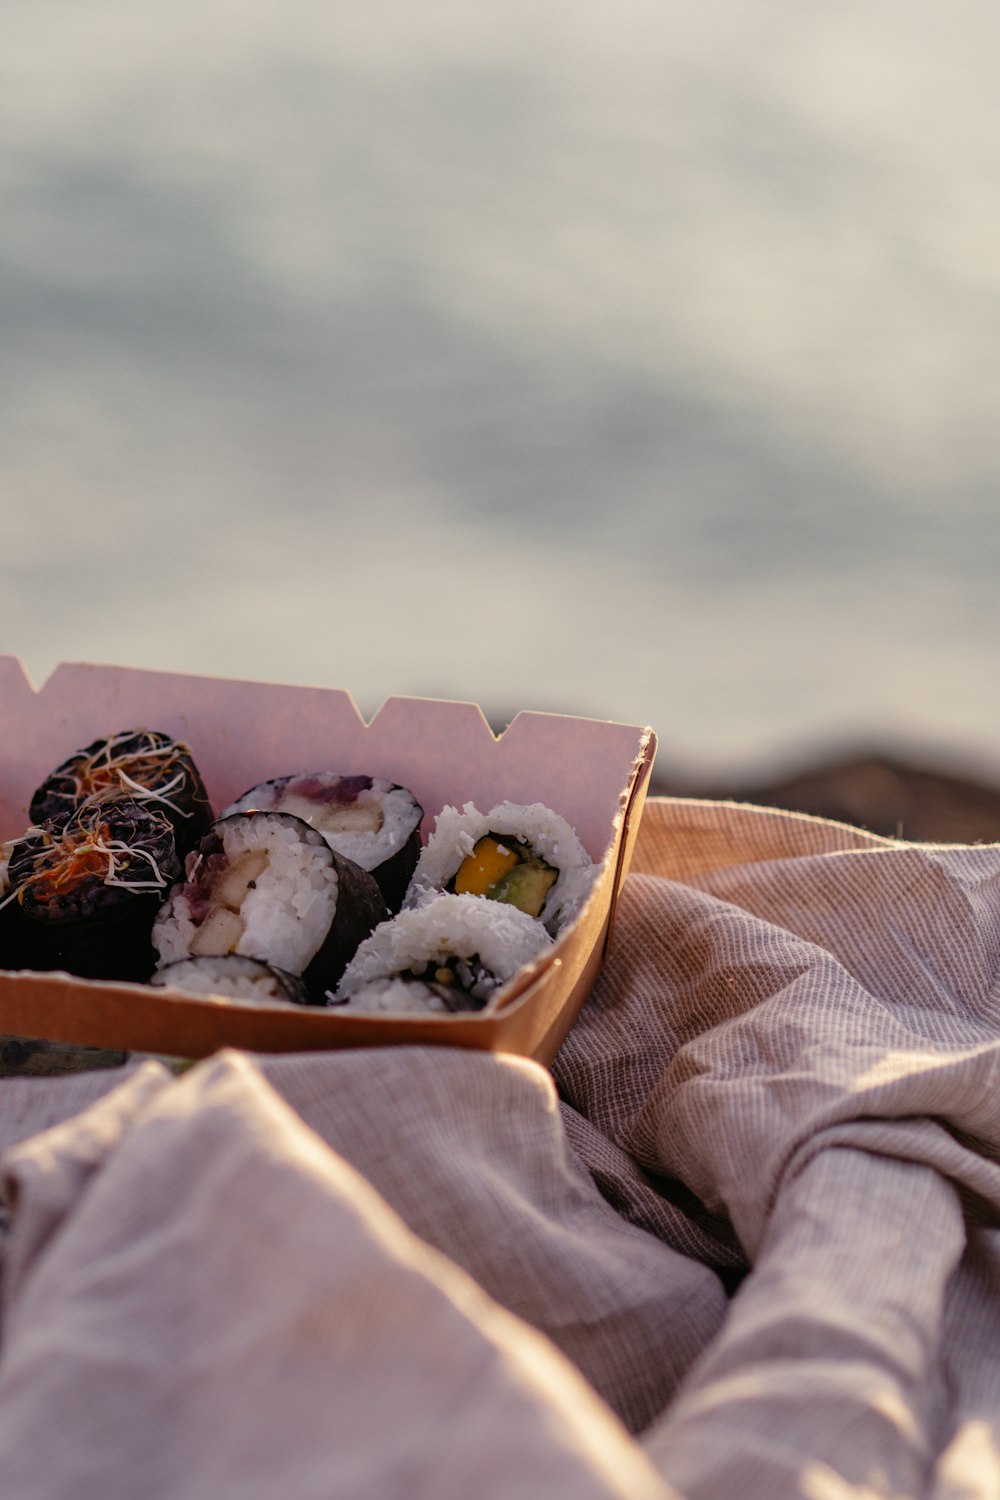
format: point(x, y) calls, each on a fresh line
point(505, 869)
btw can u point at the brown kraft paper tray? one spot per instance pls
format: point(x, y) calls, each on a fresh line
point(592, 771)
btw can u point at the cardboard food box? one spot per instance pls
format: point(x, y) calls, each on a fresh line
point(593, 772)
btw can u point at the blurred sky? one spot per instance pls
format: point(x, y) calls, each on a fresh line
point(637, 360)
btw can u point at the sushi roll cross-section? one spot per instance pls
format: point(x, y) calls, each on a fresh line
point(505, 868)
point(521, 855)
point(268, 886)
point(370, 820)
point(455, 953)
point(84, 891)
point(142, 765)
point(249, 980)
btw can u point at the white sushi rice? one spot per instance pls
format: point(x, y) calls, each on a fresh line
point(456, 834)
point(251, 983)
point(396, 997)
point(446, 929)
point(284, 918)
point(393, 808)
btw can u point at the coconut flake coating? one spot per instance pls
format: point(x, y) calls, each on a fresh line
point(456, 833)
point(447, 928)
point(398, 997)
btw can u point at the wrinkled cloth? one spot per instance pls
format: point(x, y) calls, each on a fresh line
point(743, 1240)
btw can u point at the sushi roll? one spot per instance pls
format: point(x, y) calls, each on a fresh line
point(143, 765)
point(372, 821)
point(84, 891)
point(249, 980)
point(523, 856)
point(11, 927)
point(455, 953)
point(268, 886)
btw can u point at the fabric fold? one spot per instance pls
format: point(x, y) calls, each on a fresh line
point(830, 1360)
point(472, 1153)
point(805, 1032)
point(785, 1082)
point(229, 1309)
point(44, 1179)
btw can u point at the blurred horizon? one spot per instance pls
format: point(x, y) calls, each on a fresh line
point(635, 364)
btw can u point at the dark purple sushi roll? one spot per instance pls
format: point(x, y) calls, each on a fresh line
point(229, 975)
point(268, 886)
point(12, 936)
point(84, 891)
point(143, 765)
point(374, 822)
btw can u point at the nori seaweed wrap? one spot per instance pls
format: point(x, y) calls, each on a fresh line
point(143, 765)
point(84, 890)
point(230, 975)
point(268, 886)
point(374, 822)
point(12, 940)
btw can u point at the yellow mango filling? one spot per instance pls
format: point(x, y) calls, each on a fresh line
point(507, 872)
point(480, 870)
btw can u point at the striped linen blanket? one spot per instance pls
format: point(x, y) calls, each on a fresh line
point(741, 1241)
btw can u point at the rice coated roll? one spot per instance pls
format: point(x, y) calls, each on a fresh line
point(84, 890)
point(525, 856)
point(268, 886)
point(370, 820)
point(250, 980)
point(144, 765)
point(455, 953)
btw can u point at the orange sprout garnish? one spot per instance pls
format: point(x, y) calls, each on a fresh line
point(104, 775)
point(87, 851)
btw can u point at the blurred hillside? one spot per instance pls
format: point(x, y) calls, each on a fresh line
point(884, 794)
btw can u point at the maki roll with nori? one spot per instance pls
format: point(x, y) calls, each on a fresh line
point(453, 954)
point(143, 765)
point(525, 856)
point(11, 935)
point(268, 886)
point(84, 890)
point(374, 822)
point(249, 980)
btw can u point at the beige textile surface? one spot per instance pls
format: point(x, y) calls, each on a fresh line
point(750, 1248)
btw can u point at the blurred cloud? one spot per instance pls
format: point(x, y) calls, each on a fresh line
point(680, 319)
